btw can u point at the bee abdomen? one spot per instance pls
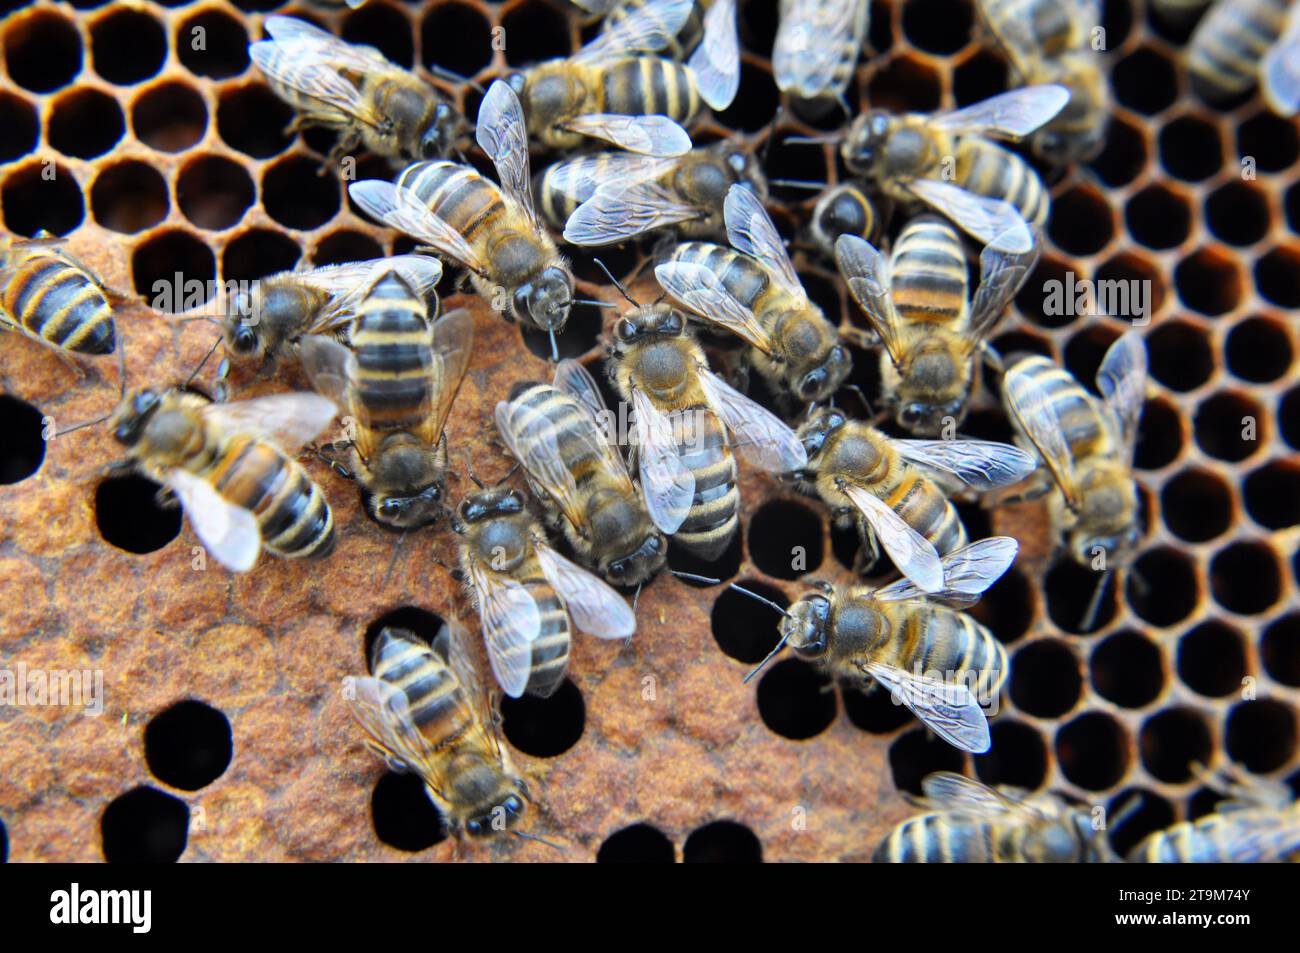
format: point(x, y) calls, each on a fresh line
point(457, 194)
point(998, 173)
point(1084, 429)
point(929, 272)
point(1229, 43)
point(551, 648)
point(648, 86)
point(937, 839)
point(437, 703)
point(744, 279)
point(392, 347)
point(714, 515)
point(56, 302)
point(534, 407)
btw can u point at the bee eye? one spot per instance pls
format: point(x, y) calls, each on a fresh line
point(474, 826)
point(245, 340)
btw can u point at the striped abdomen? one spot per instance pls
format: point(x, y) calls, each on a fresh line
point(1230, 837)
point(557, 206)
point(649, 86)
point(933, 638)
point(392, 340)
point(987, 169)
point(1085, 429)
point(687, 37)
point(535, 408)
point(551, 649)
point(468, 202)
point(929, 277)
point(963, 839)
point(1229, 43)
point(291, 511)
point(745, 279)
point(714, 515)
point(919, 503)
point(58, 303)
point(439, 706)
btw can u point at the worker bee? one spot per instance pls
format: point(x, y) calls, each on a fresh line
point(1050, 42)
point(945, 161)
point(754, 292)
point(816, 48)
point(895, 492)
point(355, 91)
point(1086, 448)
point(397, 384)
point(613, 91)
point(494, 232)
point(48, 295)
point(615, 196)
point(933, 658)
point(967, 822)
point(232, 468)
point(917, 304)
point(554, 431)
point(529, 596)
point(1240, 43)
point(425, 712)
point(683, 415)
point(1258, 824)
point(844, 209)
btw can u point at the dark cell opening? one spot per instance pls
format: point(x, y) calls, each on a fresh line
point(424, 625)
point(1245, 578)
point(214, 44)
point(978, 78)
point(1277, 277)
point(385, 28)
point(757, 22)
point(155, 264)
point(170, 117)
point(214, 192)
point(144, 826)
point(1180, 356)
point(795, 700)
point(1212, 659)
point(545, 727)
point(1228, 426)
point(1158, 217)
point(340, 247)
point(1045, 678)
point(129, 516)
point(1272, 495)
point(917, 753)
point(129, 197)
point(258, 253)
point(785, 539)
point(636, 844)
point(533, 33)
point(127, 46)
point(1291, 202)
point(403, 815)
point(937, 26)
point(580, 335)
point(1123, 156)
point(753, 109)
point(42, 51)
point(872, 708)
point(258, 6)
point(880, 32)
point(1007, 607)
point(1144, 81)
point(23, 430)
point(1152, 814)
point(1093, 751)
point(1126, 669)
point(1270, 140)
point(1070, 589)
point(1190, 149)
point(1084, 353)
point(799, 163)
point(723, 568)
point(722, 842)
point(1288, 417)
point(40, 196)
point(253, 120)
point(1260, 735)
point(19, 120)
point(4, 843)
point(1045, 298)
point(1237, 214)
point(1161, 586)
point(456, 37)
point(1129, 268)
point(1081, 222)
point(1203, 801)
point(905, 85)
point(1258, 350)
point(1279, 650)
point(188, 746)
point(296, 197)
point(1196, 506)
point(1160, 436)
point(621, 260)
point(85, 123)
point(1017, 756)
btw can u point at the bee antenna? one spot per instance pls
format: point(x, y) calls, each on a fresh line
point(509, 474)
point(540, 840)
point(1130, 807)
point(828, 140)
point(862, 397)
point(121, 368)
point(763, 599)
point(771, 134)
point(85, 424)
point(594, 303)
point(617, 284)
point(1094, 604)
point(707, 580)
point(469, 468)
point(397, 548)
point(770, 655)
point(447, 76)
point(799, 184)
point(195, 373)
point(555, 348)
point(637, 598)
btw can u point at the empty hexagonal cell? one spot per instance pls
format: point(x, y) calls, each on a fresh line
point(189, 745)
point(23, 428)
point(1046, 298)
point(639, 843)
point(937, 26)
point(1196, 505)
point(1277, 277)
point(127, 45)
point(1259, 350)
point(905, 84)
point(1279, 650)
point(169, 117)
point(1159, 217)
point(386, 29)
point(794, 701)
point(1179, 355)
point(1124, 154)
point(724, 567)
point(1126, 668)
point(872, 709)
point(1007, 608)
point(1237, 213)
point(1144, 81)
point(1272, 495)
point(156, 262)
point(722, 842)
point(1080, 600)
point(1172, 740)
point(1269, 143)
point(1160, 435)
point(1086, 349)
point(19, 120)
point(129, 197)
point(40, 196)
point(1288, 417)
point(545, 727)
point(1291, 203)
point(296, 197)
point(978, 78)
point(214, 192)
point(754, 109)
point(1190, 149)
point(85, 123)
point(213, 43)
point(1093, 751)
point(1132, 273)
point(257, 253)
point(403, 815)
point(1081, 222)
point(917, 753)
point(42, 50)
point(1161, 586)
point(1045, 678)
point(744, 628)
point(534, 33)
point(130, 517)
point(1260, 734)
point(1212, 659)
point(1229, 426)
point(1017, 756)
point(785, 539)
point(344, 246)
point(144, 825)
point(253, 120)
point(1245, 578)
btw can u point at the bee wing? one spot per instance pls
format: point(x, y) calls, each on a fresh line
point(286, 420)
point(1122, 380)
point(967, 573)
point(511, 624)
point(1279, 70)
point(911, 552)
point(649, 135)
point(949, 709)
point(576, 381)
point(1034, 415)
point(452, 643)
point(228, 531)
point(666, 484)
point(947, 791)
point(332, 370)
point(594, 605)
point(1257, 840)
point(993, 221)
point(421, 272)
point(1015, 34)
point(701, 292)
point(308, 70)
point(980, 464)
point(810, 44)
point(716, 61)
point(598, 7)
point(866, 272)
point(503, 135)
point(750, 230)
point(453, 339)
point(383, 711)
point(648, 29)
point(616, 214)
point(1011, 115)
point(1002, 275)
point(582, 177)
point(402, 209)
point(761, 437)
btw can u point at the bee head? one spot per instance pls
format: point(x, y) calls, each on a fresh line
point(640, 564)
point(1115, 549)
point(486, 504)
point(240, 326)
point(817, 429)
point(864, 146)
point(826, 378)
point(133, 415)
point(545, 300)
point(496, 799)
point(806, 628)
point(661, 319)
point(407, 511)
point(1107, 524)
point(440, 135)
point(502, 817)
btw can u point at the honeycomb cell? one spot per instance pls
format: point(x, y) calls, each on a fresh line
point(1212, 659)
point(23, 429)
point(1272, 495)
point(581, 334)
point(917, 753)
point(754, 109)
point(1279, 650)
point(169, 117)
point(214, 44)
point(144, 826)
point(403, 815)
point(1045, 298)
point(127, 45)
point(129, 197)
point(85, 123)
point(1093, 751)
point(1179, 355)
point(1190, 149)
point(22, 127)
point(1237, 214)
point(4, 843)
point(722, 842)
point(905, 84)
point(296, 197)
point(640, 843)
point(343, 246)
point(1229, 426)
point(1277, 277)
point(1144, 81)
point(1161, 586)
point(1007, 608)
point(1196, 506)
point(421, 623)
point(1081, 222)
point(1159, 217)
point(1124, 155)
point(794, 700)
point(1152, 813)
point(42, 51)
point(1072, 590)
point(130, 514)
point(1126, 668)
point(978, 78)
point(41, 196)
point(797, 163)
point(1272, 142)
point(385, 28)
point(723, 568)
point(1292, 205)
point(1258, 350)
point(1288, 417)
point(1045, 678)
point(1160, 436)
point(189, 745)
point(545, 727)
point(257, 253)
point(1245, 578)
point(1260, 735)
point(214, 192)
point(534, 33)
point(872, 709)
point(253, 120)
point(1085, 351)
point(937, 26)
point(1017, 756)
point(156, 262)
point(785, 539)
point(1171, 741)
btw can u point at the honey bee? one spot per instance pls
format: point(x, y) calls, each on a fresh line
point(754, 292)
point(612, 197)
point(895, 492)
point(494, 232)
point(425, 712)
point(727, 49)
point(554, 431)
point(231, 467)
point(613, 91)
point(1049, 41)
point(1240, 43)
point(917, 304)
point(967, 822)
point(1258, 824)
point(48, 295)
point(946, 162)
point(816, 48)
point(355, 91)
point(933, 658)
point(529, 596)
point(844, 209)
point(397, 383)
point(683, 415)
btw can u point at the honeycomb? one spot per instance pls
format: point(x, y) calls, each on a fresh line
point(224, 734)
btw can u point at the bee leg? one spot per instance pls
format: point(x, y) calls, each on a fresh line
point(326, 455)
point(165, 499)
point(868, 552)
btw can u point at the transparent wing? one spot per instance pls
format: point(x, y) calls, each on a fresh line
point(911, 552)
point(452, 643)
point(615, 215)
point(532, 441)
point(502, 134)
point(647, 29)
point(980, 464)
point(700, 291)
point(1011, 115)
point(993, 221)
point(947, 708)
point(1015, 35)
point(650, 135)
point(666, 484)
point(595, 607)
point(947, 791)
point(716, 61)
point(228, 531)
point(402, 209)
point(383, 711)
point(866, 272)
point(750, 230)
point(811, 41)
point(287, 420)
point(1122, 381)
point(759, 436)
point(511, 624)
point(1279, 70)
point(307, 71)
point(332, 369)
point(351, 279)
point(1002, 275)
point(292, 31)
point(1034, 415)
point(576, 381)
point(967, 573)
point(582, 177)
point(453, 341)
